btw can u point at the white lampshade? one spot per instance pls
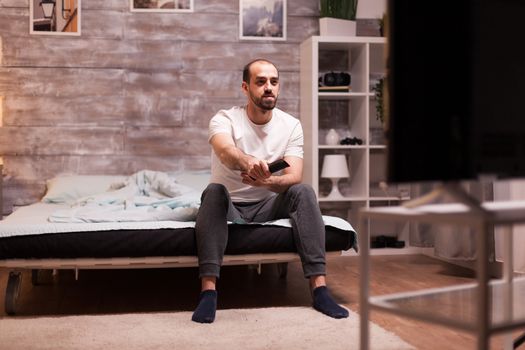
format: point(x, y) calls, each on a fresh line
point(335, 168)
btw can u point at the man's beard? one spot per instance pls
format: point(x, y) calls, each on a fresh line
point(264, 103)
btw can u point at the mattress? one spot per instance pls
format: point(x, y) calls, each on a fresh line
point(26, 234)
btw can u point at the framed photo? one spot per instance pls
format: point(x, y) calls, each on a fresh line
point(54, 17)
point(262, 19)
point(161, 5)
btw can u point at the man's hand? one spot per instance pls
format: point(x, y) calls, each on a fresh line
point(248, 180)
point(291, 175)
point(257, 170)
point(254, 171)
point(258, 174)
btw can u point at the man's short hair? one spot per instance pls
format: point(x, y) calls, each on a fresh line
point(246, 70)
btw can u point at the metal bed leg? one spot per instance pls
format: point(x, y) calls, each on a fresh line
point(12, 291)
point(282, 269)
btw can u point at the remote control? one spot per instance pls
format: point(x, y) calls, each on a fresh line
point(279, 164)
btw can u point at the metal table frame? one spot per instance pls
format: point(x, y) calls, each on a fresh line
point(480, 216)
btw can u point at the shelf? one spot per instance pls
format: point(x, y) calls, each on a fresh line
point(395, 251)
point(389, 198)
point(343, 42)
point(342, 146)
point(350, 113)
point(342, 95)
point(456, 305)
point(1, 185)
point(344, 199)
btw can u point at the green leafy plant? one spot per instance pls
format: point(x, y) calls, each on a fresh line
point(342, 9)
point(378, 90)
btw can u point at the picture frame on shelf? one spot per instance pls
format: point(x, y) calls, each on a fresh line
point(55, 17)
point(262, 20)
point(161, 5)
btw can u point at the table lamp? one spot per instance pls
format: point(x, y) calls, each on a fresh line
point(335, 168)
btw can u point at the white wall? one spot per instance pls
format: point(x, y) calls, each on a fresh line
point(371, 8)
point(38, 12)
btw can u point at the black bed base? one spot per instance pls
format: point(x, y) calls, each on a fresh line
point(243, 239)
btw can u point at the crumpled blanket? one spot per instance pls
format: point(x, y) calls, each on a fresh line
point(144, 196)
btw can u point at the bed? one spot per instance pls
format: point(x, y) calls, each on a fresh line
point(36, 238)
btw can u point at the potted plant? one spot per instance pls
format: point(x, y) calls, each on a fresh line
point(337, 17)
point(377, 135)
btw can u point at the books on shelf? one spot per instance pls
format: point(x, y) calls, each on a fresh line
point(346, 88)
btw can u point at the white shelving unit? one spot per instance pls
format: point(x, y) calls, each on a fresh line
point(1, 188)
point(354, 116)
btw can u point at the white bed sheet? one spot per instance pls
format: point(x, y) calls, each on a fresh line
point(33, 220)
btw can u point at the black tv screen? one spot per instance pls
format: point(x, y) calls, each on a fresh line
point(456, 86)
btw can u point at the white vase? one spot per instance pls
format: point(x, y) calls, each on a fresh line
point(332, 138)
point(336, 27)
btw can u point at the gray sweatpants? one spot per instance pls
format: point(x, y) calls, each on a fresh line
point(298, 203)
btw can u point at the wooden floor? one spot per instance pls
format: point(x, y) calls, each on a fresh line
point(122, 291)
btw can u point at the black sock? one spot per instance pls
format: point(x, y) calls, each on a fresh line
point(324, 303)
point(205, 311)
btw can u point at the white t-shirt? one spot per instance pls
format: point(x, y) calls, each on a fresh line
point(281, 136)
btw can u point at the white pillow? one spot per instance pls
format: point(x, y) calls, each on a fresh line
point(69, 188)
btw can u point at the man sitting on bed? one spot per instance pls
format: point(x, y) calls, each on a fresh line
point(242, 189)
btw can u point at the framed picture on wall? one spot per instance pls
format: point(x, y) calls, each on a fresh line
point(54, 17)
point(161, 5)
point(262, 19)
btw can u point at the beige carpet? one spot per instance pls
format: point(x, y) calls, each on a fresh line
point(268, 328)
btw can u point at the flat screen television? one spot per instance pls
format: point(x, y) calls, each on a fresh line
point(456, 81)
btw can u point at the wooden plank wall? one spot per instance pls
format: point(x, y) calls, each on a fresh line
point(135, 91)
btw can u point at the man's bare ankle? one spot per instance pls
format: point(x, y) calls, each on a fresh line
point(317, 281)
point(208, 283)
